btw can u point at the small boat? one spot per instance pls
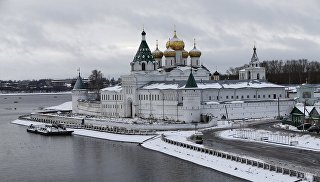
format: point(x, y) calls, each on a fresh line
point(49, 130)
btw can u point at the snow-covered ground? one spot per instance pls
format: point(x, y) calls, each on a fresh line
point(96, 134)
point(220, 164)
point(67, 106)
point(286, 126)
point(302, 141)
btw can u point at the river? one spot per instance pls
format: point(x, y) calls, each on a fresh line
point(30, 157)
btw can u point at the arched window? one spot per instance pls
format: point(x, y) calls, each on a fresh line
point(143, 66)
point(258, 76)
point(249, 75)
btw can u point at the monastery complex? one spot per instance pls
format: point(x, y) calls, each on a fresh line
point(173, 85)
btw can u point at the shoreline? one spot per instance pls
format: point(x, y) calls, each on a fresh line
point(37, 93)
point(154, 143)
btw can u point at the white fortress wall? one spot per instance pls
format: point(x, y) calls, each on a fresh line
point(89, 108)
point(262, 109)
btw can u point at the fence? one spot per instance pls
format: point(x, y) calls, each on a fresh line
point(239, 159)
point(76, 124)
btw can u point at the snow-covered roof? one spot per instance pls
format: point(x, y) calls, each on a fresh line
point(308, 109)
point(212, 84)
point(116, 88)
point(161, 86)
point(67, 106)
point(251, 84)
point(211, 102)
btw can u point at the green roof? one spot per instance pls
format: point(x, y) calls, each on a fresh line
point(79, 84)
point(143, 53)
point(191, 83)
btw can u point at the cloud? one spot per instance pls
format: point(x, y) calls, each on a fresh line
point(51, 39)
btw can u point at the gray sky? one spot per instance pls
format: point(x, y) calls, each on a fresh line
point(51, 39)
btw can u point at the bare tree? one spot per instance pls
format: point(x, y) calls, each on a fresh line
point(96, 80)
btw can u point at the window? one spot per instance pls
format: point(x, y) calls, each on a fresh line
point(248, 96)
point(258, 96)
point(209, 97)
point(264, 96)
point(258, 76)
point(143, 66)
point(242, 97)
point(254, 96)
point(237, 97)
point(227, 97)
point(231, 96)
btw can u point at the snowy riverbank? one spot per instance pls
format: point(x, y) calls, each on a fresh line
point(220, 164)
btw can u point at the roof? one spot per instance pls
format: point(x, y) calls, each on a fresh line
point(212, 84)
point(302, 109)
point(116, 88)
point(191, 82)
point(216, 73)
point(79, 84)
point(254, 55)
point(143, 53)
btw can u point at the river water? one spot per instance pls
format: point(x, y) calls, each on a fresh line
point(30, 157)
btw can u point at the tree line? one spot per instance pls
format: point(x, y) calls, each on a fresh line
point(286, 72)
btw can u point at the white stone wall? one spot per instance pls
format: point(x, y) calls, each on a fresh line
point(225, 94)
point(249, 110)
point(89, 108)
point(159, 104)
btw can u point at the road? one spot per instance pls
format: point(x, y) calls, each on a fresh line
point(298, 159)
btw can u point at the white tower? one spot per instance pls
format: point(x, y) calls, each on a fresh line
point(78, 93)
point(191, 101)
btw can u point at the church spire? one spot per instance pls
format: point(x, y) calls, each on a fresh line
point(143, 33)
point(254, 58)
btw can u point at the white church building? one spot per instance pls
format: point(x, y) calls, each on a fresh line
point(173, 85)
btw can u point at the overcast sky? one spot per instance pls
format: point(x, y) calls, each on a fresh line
point(52, 39)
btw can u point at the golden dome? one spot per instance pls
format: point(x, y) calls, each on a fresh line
point(169, 53)
point(185, 54)
point(175, 43)
point(194, 52)
point(157, 53)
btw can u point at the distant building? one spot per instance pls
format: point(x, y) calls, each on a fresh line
point(215, 76)
point(254, 71)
